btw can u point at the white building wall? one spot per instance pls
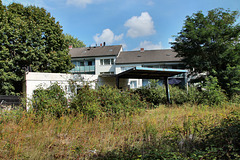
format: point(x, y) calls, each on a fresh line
point(104, 68)
point(34, 80)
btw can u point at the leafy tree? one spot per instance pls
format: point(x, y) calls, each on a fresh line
point(74, 42)
point(30, 39)
point(210, 44)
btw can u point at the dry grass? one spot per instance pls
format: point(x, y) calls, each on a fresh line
point(27, 137)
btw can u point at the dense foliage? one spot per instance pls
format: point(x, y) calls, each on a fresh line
point(50, 101)
point(107, 101)
point(211, 94)
point(210, 44)
point(30, 40)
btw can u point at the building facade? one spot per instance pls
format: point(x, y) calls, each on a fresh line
point(107, 61)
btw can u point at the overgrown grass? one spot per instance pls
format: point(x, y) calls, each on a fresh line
point(110, 124)
point(169, 132)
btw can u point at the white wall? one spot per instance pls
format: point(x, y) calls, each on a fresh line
point(33, 80)
point(104, 68)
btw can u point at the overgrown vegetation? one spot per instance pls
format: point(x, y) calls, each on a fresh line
point(107, 123)
point(107, 101)
point(210, 94)
point(186, 132)
point(50, 101)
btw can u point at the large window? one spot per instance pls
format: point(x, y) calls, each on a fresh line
point(107, 61)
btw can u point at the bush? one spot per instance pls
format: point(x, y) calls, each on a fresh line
point(222, 141)
point(50, 100)
point(153, 93)
point(107, 101)
point(235, 98)
point(212, 93)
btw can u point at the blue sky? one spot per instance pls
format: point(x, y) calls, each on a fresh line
point(149, 24)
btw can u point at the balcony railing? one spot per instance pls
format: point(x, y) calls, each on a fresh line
point(83, 69)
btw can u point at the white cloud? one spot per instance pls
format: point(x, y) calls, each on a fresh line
point(107, 36)
point(148, 45)
point(81, 3)
point(140, 26)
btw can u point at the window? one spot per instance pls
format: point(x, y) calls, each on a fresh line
point(90, 63)
point(112, 61)
point(101, 62)
point(107, 61)
point(133, 84)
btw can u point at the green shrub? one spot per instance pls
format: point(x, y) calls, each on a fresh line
point(235, 98)
point(51, 100)
point(178, 95)
point(153, 93)
point(223, 141)
point(107, 101)
point(212, 93)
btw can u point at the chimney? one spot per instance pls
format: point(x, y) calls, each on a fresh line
point(70, 47)
point(142, 50)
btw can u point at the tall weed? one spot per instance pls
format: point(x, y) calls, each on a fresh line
point(107, 101)
point(50, 101)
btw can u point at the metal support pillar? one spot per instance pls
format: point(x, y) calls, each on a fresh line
point(167, 89)
point(185, 81)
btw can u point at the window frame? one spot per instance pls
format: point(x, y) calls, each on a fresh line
point(104, 60)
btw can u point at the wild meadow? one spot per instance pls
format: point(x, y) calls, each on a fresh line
point(110, 124)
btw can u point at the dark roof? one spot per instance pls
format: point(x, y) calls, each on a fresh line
point(147, 56)
point(95, 51)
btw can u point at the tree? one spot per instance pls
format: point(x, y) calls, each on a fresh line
point(74, 42)
point(30, 40)
point(210, 44)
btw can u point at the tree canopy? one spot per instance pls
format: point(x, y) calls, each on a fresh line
point(74, 42)
point(30, 40)
point(210, 44)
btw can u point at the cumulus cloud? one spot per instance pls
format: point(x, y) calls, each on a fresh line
point(81, 3)
point(148, 45)
point(140, 26)
point(107, 36)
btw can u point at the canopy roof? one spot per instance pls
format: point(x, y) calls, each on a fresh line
point(149, 73)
